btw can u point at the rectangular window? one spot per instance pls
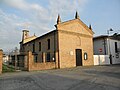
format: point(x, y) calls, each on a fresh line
point(35, 58)
point(39, 46)
point(33, 48)
point(48, 57)
point(48, 44)
point(116, 47)
point(40, 57)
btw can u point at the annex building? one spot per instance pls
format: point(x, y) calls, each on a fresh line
point(108, 45)
point(69, 45)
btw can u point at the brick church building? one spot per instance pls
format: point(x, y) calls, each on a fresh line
point(69, 45)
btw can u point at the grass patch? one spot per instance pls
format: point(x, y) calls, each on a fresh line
point(6, 68)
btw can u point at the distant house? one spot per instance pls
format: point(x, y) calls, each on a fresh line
point(5, 58)
point(72, 41)
point(108, 45)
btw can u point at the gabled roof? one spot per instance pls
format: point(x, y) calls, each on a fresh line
point(101, 36)
point(67, 22)
point(106, 36)
point(75, 20)
point(29, 39)
point(42, 36)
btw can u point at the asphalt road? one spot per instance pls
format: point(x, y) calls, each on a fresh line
point(79, 78)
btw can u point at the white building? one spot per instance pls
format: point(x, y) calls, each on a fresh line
point(5, 58)
point(104, 45)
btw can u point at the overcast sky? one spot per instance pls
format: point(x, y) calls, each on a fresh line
point(39, 16)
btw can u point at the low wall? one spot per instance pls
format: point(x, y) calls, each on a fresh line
point(1, 59)
point(101, 60)
point(40, 66)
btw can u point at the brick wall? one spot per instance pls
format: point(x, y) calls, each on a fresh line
point(40, 66)
point(1, 59)
point(74, 35)
point(69, 37)
point(68, 47)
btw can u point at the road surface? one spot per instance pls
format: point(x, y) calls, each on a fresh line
point(79, 78)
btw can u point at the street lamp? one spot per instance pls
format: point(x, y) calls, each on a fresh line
point(108, 31)
point(109, 50)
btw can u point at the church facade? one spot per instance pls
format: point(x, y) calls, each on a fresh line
point(72, 41)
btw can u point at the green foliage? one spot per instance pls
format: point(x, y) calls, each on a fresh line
point(6, 68)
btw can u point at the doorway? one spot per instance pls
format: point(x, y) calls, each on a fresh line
point(78, 57)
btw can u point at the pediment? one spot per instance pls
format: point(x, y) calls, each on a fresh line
point(76, 26)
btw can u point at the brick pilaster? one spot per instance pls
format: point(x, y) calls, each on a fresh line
point(43, 57)
point(30, 60)
point(1, 59)
point(56, 60)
